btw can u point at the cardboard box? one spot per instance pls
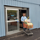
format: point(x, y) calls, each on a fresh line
point(28, 25)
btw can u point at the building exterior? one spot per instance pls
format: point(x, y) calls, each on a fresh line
point(34, 12)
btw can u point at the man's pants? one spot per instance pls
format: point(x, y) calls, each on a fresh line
point(23, 27)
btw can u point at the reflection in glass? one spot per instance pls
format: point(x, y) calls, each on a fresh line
point(12, 14)
point(12, 26)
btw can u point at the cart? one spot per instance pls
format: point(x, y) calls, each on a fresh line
point(28, 31)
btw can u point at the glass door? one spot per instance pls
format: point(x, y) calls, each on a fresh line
point(12, 20)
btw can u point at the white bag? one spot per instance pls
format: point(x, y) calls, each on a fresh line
point(28, 20)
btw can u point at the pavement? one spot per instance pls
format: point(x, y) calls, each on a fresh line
point(23, 36)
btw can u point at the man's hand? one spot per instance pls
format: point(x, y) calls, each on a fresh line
point(22, 21)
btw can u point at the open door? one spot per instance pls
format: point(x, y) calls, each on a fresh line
point(21, 11)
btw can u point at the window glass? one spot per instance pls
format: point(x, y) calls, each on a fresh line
point(11, 14)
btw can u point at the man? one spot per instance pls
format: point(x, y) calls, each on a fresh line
point(22, 19)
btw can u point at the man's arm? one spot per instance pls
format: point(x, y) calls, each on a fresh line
point(26, 17)
point(22, 19)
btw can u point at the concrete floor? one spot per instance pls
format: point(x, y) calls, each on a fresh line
point(23, 36)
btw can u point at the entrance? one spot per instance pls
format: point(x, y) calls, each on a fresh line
point(21, 11)
point(13, 19)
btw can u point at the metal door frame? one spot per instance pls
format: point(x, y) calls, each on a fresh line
point(11, 32)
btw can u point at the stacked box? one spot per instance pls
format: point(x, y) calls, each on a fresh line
point(27, 25)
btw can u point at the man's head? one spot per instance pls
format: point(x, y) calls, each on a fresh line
point(24, 14)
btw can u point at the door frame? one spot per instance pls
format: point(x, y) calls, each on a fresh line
point(11, 32)
point(19, 8)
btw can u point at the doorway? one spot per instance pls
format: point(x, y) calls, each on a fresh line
point(13, 16)
point(21, 11)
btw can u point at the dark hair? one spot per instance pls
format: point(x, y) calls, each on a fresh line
point(24, 13)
